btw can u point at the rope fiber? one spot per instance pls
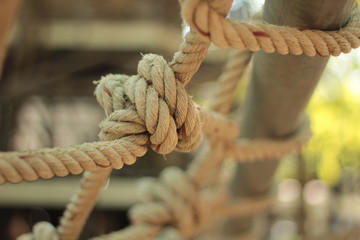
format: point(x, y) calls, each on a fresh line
point(153, 108)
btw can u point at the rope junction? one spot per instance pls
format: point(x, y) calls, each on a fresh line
point(153, 108)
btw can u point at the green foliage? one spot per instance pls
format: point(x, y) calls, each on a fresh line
point(335, 113)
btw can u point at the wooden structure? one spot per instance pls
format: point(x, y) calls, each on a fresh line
point(281, 86)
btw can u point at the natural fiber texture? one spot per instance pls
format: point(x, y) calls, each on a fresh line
point(126, 124)
point(229, 79)
point(209, 20)
point(81, 204)
point(153, 108)
point(199, 170)
point(47, 163)
point(174, 200)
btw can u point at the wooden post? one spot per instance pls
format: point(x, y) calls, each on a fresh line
point(8, 12)
point(280, 89)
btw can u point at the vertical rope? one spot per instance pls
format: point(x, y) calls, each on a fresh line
point(210, 160)
point(229, 79)
point(78, 209)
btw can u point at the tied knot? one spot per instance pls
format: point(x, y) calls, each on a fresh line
point(173, 200)
point(152, 102)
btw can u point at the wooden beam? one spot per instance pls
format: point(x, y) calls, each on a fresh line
point(8, 12)
point(103, 35)
point(120, 193)
point(280, 89)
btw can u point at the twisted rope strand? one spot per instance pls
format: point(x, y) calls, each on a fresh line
point(212, 24)
point(175, 186)
point(206, 166)
point(245, 151)
point(234, 69)
point(80, 205)
point(153, 70)
point(153, 107)
point(175, 201)
point(47, 163)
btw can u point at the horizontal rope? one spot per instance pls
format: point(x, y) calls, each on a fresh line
point(47, 163)
point(209, 20)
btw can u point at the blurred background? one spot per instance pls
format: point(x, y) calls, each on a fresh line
point(58, 48)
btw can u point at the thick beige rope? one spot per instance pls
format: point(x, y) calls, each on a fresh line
point(186, 219)
point(153, 107)
point(152, 69)
point(207, 165)
point(31, 174)
point(114, 154)
point(81, 204)
point(47, 163)
point(229, 79)
point(74, 209)
point(187, 201)
point(14, 167)
point(174, 200)
point(205, 17)
point(79, 207)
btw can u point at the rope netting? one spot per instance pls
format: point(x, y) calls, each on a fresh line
point(153, 108)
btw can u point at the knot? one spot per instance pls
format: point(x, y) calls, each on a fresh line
point(41, 231)
point(153, 103)
point(173, 200)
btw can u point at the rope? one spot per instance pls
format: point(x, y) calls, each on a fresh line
point(181, 199)
point(81, 204)
point(209, 20)
point(174, 200)
point(153, 71)
point(229, 79)
point(153, 108)
point(47, 163)
point(41, 230)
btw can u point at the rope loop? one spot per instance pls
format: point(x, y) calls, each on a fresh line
point(152, 102)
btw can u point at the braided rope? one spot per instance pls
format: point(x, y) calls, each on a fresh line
point(207, 19)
